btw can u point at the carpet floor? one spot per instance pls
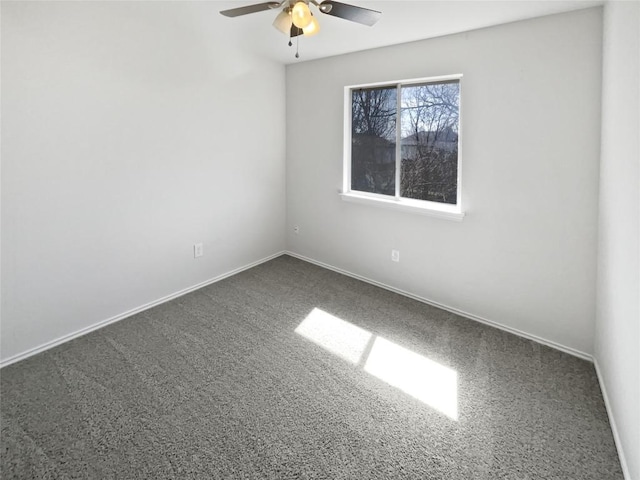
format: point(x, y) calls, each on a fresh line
point(291, 371)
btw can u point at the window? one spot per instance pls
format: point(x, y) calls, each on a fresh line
point(402, 145)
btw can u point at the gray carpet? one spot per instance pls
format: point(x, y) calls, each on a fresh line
point(218, 384)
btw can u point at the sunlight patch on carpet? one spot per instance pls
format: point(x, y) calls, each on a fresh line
point(416, 375)
point(340, 337)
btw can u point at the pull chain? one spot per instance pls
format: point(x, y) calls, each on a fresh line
point(297, 46)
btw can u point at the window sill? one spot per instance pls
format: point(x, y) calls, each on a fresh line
point(431, 209)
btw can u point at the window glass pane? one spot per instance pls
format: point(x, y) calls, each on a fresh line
point(373, 140)
point(429, 142)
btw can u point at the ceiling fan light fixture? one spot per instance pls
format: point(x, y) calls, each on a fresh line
point(296, 20)
point(301, 15)
point(283, 22)
point(312, 29)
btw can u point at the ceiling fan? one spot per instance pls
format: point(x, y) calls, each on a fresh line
point(296, 18)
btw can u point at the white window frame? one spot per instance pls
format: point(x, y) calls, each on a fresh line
point(424, 207)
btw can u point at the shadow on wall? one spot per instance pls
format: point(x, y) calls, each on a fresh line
point(430, 382)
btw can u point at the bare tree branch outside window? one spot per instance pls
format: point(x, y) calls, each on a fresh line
point(373, 140)
point(429, 127)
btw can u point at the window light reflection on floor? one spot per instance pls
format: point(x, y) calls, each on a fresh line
point(416, 375)
point(334, 334)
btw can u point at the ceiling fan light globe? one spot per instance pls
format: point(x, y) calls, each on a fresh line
point(312, 29)
point(283, 22)
point(301, 15)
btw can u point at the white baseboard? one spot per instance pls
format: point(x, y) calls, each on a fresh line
point(520, 333)
point(95, 326)
point(612, 422)
point(147, 306)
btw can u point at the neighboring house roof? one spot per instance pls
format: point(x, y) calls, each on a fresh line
point(424, 138)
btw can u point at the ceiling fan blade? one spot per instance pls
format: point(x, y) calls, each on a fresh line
point(361, 15)
point(258, 7)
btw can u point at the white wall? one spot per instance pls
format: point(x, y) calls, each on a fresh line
point(617, 343)
point(130, 131)
point(525, 254)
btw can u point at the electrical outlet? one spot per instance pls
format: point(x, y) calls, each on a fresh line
point(395, 255)
point(198, 250)
point(296, 230)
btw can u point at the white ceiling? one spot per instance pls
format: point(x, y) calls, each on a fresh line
point(402, 21)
